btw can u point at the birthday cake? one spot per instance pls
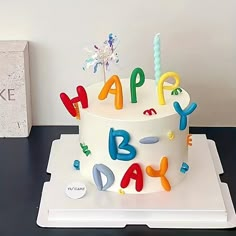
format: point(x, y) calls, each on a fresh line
point(133, 132)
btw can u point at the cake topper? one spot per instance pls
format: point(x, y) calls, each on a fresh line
point(103, 56)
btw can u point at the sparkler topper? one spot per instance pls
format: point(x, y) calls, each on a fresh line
point(103, 56)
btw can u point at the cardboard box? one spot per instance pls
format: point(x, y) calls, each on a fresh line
point(15, 99)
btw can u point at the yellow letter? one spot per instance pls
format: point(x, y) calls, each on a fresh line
point(160, 86)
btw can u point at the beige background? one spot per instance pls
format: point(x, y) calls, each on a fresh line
point(198, 40)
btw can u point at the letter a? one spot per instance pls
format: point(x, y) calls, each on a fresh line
point(117, 91)
point(130, 174)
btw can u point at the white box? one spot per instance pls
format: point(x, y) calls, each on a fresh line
point(15, 99)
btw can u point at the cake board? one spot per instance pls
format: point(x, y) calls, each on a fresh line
point(201, 200)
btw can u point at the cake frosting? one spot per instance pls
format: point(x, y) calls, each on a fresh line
point(166, 140)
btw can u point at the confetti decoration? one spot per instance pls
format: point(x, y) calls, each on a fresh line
point(103, 56)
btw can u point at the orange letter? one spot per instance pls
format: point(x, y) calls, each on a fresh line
point(117, 91)
point(160, 173)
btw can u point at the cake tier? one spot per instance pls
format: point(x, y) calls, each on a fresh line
point(155, 138)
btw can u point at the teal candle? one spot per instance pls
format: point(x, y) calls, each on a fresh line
point(157, 57)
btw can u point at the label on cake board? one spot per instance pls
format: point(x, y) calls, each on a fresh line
point(75, 190)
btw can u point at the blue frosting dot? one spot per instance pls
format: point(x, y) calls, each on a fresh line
point(77, 164)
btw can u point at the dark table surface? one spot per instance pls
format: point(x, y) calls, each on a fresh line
point(23, 163)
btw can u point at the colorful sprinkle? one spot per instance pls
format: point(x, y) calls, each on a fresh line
point(76, 164)
point(149, 140)
point(176, 91)
point(85, 149)
point(184, 168)
point(150, 112)
point(189, 140)
point(121, 191)
point(171, 135)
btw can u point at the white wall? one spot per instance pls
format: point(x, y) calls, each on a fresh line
point(198, 41)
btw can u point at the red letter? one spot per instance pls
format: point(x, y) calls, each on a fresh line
point(72, 104)
point(130, 174)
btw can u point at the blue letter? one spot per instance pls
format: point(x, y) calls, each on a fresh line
point(113, 150)
point(97, 170)
point(183, 113)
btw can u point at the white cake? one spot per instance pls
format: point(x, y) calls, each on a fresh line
point(134, 132)
point(169, 144)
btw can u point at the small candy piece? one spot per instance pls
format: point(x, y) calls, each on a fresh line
point(76, 164)
point(150, 112)
point(176, 91)
point(184, 168)
point(184, 113)
point(149, 140)
point(171, 135)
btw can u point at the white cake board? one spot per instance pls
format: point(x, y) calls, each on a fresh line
point(199, 201)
